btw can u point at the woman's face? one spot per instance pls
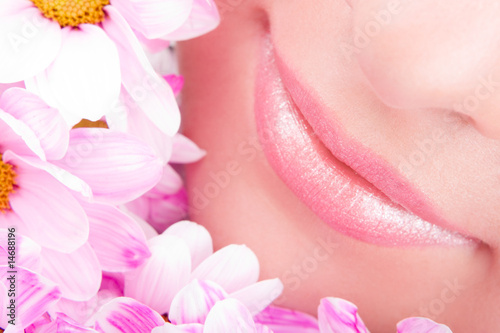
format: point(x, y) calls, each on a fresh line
point(353, 145)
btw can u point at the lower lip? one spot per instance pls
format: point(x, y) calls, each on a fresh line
point(332, 190)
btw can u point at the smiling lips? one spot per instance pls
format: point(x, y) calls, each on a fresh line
point(341, 181)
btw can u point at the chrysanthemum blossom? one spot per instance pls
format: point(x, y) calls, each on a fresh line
point(80, 54)
point(182, 272)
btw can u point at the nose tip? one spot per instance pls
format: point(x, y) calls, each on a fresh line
point(424, 58)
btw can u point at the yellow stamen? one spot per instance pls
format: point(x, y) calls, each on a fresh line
point(88, 123)
point(7, 184)
point(72, 12)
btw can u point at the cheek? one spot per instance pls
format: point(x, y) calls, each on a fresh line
point(427, 53)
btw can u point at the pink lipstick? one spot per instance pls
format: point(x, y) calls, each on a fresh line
point(346, 185)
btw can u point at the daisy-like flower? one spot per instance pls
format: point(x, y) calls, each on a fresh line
point(80, 55)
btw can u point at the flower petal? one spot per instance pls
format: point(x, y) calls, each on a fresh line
point(64, 177)
point(148, 230)
point(156, 282)
point(185, 150)
point(232, 267)
point(29, 42)
point(197, 238)
point(84, 80)
point(167, 328)
point(78, 273)
point(44, 121)
point(150, 92)
point(154, 18)
point(168, 210)
point(126, 315)
point(118, 167)
point(282, 320)
point(193, 302)
point(262, 328)
point(204, 17)
point(27, 252)
point(34, 294)
point(51, 214)
point(421, 325)
point(336, 315)
point(229, 315)
point(17, 136)
point(176, 82)
point(260, 295)
point(118, 241)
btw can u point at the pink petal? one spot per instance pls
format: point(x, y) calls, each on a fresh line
point(168, 210)
point(17, 136)
point(126, 315)
point(66, 324)
point(34, 294)
point(143, 128)
point(170, 183)
point(78, 273)
point(282, 320)
point(6, 86)
point(421, 325)
point(118, 167)
point(29, 42)
point(84, 80)
point(4, 302)
point(154, 18)
point(262, 328)
point(118, 241)
point(232, 267)
point(152, 45)
point(185, 150)
point(51, 214)
point(64, 177)
point(197, 238)
point(204, 17)
point(148, 230)
point(176, 82)
point(336, 315)
point(256, 297)
point(149, 91)
point(46, 122)
point(27, 252)
point(193, 303)
point(156, 282)
point(229, 315)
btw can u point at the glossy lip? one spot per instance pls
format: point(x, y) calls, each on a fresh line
point(341, 181)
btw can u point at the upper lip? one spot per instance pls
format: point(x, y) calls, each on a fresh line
point(359, 158)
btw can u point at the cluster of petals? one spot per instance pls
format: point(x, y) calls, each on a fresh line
point(100, 69)
point(68, 184)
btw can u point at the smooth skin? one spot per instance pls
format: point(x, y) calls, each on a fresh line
point(418, 83)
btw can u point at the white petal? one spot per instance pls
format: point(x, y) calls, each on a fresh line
point(154, 18)
point(78, 273)
point(229, 315)
point(156, 282)
point(29, 43)
point(84, 80)
point(232, 267)
point(193, 303)
point(260, 295)
point(203, 18)
point(196, 237)
point(126, 315)
point(150, 92)
point(337, 315)
point(46, 122)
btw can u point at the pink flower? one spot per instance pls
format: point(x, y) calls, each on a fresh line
point(81, 64)
point(337, 315)
point(182, 272)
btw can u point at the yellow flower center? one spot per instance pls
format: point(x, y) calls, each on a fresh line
point(7, 184)
point(72, 12)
